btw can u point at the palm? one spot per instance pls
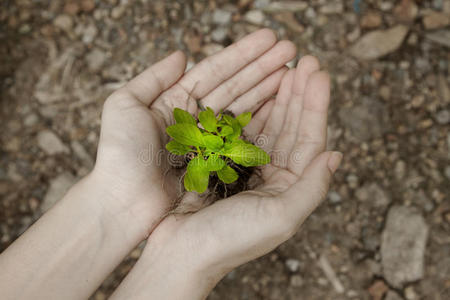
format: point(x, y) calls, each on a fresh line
point(254, 222)
point(133, 137)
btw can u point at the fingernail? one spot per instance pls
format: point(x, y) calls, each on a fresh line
point(334, 161)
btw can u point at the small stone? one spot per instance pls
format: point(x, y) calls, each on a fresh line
point(378, 289)
point(296, 280)
point(118, 11)
point(334, 197)
point(403, 246)
point(373, 194)
point(87, 5)
point(95, 59)
point(441, 37)
point(71, 8)
point(219, 34)
point(221, 17)
point(58, 188)
point(89, 34)
point(63, 22)
point(292, 264)
point(378, 43)
point(352, 181)
point(443, 117)
point(256, 17)
point(290, 21)
point(410, 294)
point(447, 172)
point(400, 170)
point(31, 120)
point(371, 20)
point(282, 6)
point(435, 20)
point(406, 11)
point(50, 143)
point(333, 7)
point(385, 92)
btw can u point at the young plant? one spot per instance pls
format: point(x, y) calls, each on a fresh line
point(213, 145)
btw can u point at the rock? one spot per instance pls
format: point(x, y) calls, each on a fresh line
point(403, 246)
point(50, 143)
point(447, 172)
point(443, 117)
point(410, 293)
point(377, 290)
point(31, 120)
point(118, 11)
point(391, 295)
point(63, 22)
point(296, 280)
point(95, 59)
point(378, 43)
point(221, 17)
point(58, 188)
point(441, 37)
point(292, 264)
point(193, 42)
point(334, 197)
point(281, 6)
point(371, 20)
point(365, 121)
point(87, 5)
point(219, 34)
point(435, 20)
point(290, 21)
point(333, 7)
point(406, 11)
point(443, 89)
point(71, 8)
point(255, 16)
point(89, 34)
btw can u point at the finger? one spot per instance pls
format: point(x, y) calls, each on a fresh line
point(286, 141)
point(252, 100)
point(274, 124)
point(215, 69)
point(259, 119)
point(250, 76)
point(148, 85)
point(306, 194)
point(312, 133)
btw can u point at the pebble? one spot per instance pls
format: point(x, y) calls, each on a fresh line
point(289, 5)
point(118, 11)
point(403, 246)
point(50, 143)
point(377, 290)
point(406, 11)
point(296, 280)
point(211, 49)
point(435, 20)
point(219, 34)
point(371, 20)
point(95, 59)
point(221, 17)
point(378, 43)
point(58, 188)
point(89, 34)
point(292, 264)
point(31, 120)
point(334, 197)
point(333, 7)
point(443, 117)
point(63, 22)
point(256, 17)
point(391, 295)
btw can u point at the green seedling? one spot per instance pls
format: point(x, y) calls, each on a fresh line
point(214, 146)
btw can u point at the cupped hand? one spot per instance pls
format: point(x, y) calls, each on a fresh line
point(233, 231)
point(131, 160)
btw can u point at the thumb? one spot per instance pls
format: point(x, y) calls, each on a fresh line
point(307, 193)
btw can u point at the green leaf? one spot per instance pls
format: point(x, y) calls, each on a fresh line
point(226, 130)
point(197, 176)
point(208, 120)
point(186, 134)
point(228, 119)
point(213, 142)
point(214, 163)
point(244, 118)
point(247, 155)
point(177, 148)
point(235, 125)
point(183, 117)
point(227, 174)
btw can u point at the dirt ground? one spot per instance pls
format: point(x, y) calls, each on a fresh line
point(384, 230)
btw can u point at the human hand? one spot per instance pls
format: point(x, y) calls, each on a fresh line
point(196, 250)
point(131, 162)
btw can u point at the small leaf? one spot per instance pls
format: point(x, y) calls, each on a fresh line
point(197, 177)
point(227, 174)
point(226, 130)
point(177, 148)
point(183, 117)
point(244, 118)
point(186, 134)
point(208, 120)
point(228, 119)
point(214, 163)
point(247, 155)
point(235, 125)
point(213, 142)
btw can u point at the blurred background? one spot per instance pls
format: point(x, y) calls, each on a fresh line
point(384, 230)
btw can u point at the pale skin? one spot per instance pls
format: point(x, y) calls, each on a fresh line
point(69, 251)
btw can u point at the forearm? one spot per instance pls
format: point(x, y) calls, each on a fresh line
point(69, 251)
